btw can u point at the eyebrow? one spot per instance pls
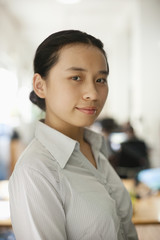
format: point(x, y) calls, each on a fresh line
point(104, 72)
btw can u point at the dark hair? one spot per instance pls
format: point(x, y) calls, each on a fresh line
point(108, 125)
point(46, 55)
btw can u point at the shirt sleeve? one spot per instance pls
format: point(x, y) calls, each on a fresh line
point(124, 207)
point(121, 196)
point(36, 208)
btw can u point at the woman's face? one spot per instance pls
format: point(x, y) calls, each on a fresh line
point(76, 87)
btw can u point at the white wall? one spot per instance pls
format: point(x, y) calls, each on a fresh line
point(135, 74)
point(146, 74)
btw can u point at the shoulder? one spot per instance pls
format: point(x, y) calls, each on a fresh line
point(36, 159)
point(36, 171)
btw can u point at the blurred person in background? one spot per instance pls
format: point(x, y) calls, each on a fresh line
point(10, 149)
point(133, 155)
point(5, 154)
point(108, 127)
point(16, 148)
point(63, 186)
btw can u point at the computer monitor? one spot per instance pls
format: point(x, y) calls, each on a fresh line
point(115, 139)
point(150, 177)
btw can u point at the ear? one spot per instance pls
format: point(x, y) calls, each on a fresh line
point(39, 85)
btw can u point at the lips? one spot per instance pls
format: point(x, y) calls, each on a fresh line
point(87, 110)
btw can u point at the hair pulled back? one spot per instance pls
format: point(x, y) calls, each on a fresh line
point(47, 54)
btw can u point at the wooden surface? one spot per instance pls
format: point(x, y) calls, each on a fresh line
point(5, 223)
point(148, 232)
point(146, 210)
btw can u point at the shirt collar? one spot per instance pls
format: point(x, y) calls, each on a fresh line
point(95, 139)
point(60, 146)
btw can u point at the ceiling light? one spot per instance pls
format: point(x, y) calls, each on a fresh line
point(68, 1)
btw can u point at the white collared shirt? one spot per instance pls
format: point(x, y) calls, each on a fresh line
point(57, 194)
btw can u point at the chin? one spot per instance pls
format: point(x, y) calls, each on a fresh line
point(85, 123)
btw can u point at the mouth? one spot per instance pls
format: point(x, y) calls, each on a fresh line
point(87, 110)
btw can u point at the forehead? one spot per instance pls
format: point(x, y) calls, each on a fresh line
point(80, 52)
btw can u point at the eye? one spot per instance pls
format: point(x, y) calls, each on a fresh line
point(76, 78)
point(101, 80)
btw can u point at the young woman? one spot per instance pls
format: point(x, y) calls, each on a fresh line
point(63, 187)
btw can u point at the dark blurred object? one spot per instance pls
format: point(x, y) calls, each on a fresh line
point(15, 135)
point(113, 136)
point(126, 152)
point(5, 134)
point(16, 148)
point(10, 149)
point(133, 155)
point(108, 127)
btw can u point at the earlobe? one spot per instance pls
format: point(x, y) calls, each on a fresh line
point(39, 85)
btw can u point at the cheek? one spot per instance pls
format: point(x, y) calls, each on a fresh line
point(104, 94)
point(68, 96)
point(63, 99)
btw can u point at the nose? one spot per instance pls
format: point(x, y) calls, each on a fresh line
point(90, 92)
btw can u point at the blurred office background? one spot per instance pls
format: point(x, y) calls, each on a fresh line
point(130, 31)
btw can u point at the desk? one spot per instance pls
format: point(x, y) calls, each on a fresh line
point(5, 223)
point(148, 232)
point(146, 209)
point(146, 215)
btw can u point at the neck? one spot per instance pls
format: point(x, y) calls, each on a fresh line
point(73, 132)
